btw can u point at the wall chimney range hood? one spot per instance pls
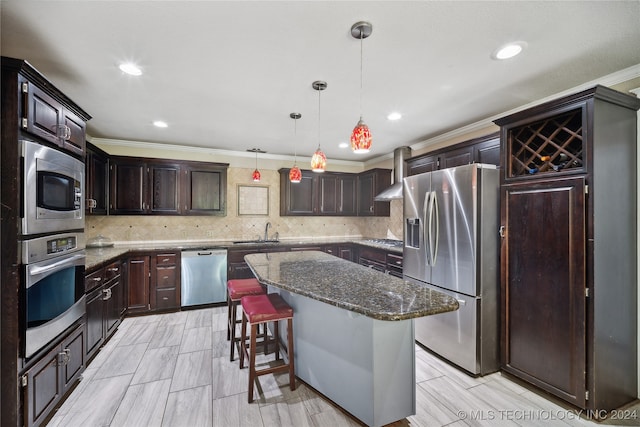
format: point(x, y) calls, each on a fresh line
point(394, 192)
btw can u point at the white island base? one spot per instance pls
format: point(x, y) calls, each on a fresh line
point(364, 365)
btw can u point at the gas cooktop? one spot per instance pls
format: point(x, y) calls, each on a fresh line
point(385, 242)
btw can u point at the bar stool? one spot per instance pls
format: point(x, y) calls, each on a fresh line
point(258, 310)
point(236, 289)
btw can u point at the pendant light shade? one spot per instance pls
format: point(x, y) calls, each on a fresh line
point(319, 160)
point(295, 175)
point(361, 138)
point(361, 135)
point(255, 176)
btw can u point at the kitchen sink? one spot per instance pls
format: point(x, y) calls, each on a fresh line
point(251, 242)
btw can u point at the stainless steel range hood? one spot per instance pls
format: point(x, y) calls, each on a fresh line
point(400, 155)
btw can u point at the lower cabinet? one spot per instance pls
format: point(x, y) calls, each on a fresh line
point(138, 279)
point(381, 260)
point(153, 282)
point(165, 281)
point(46, 382)
point(105, 305)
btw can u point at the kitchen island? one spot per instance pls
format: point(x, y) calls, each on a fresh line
point(353, 329)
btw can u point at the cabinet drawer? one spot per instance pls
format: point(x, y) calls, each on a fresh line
point(166, 259)
point(165, 277)
point(166, 299)
point(373, 254)
point(112, 271)
point(93, 280)
point(394, 261)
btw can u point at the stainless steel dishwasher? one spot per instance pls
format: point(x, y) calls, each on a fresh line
point(204, 277)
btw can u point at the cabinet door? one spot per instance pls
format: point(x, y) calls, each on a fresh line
point(204, 191)
point(459, 157)
point(96, 181)
point(75, 141)
point(43, 389)
point(164, 192)
point(347, 202)
point(422, 165)
point(128, 187)
point(94, 325)
point(487, 152)
point(327, 191)
point(42, 114)
point(346, 252)
point(73, 349)
point(298, 198)
point(138, 284)
point(371, 183)
point(114, 304)
point(543, 288)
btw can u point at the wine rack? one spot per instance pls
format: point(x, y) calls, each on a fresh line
point(550, 145)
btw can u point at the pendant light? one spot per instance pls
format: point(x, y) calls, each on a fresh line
point(361, 135)
point(255, 176)
point(295, 175)
point(319, 160)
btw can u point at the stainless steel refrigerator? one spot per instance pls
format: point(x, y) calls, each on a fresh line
point(451, 244)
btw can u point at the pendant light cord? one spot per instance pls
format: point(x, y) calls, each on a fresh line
point(319, 93)
point(295, 141)
point(361, 34)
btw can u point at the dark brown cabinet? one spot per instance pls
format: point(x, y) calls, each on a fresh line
point(138, 270)
point(45, 383)
point(128, 188)
point(47, 117)
point(479, 150)
point(568, 253)
point(105, 305)
point(334, 193)
point(370, 183)
point(380, 260)
point(204, 188)
point(165, 279)
point(96, 180)
point(160, 187)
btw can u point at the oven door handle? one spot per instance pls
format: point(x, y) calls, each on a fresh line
point(56, 265)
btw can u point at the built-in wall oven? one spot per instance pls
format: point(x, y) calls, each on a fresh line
point(52, 190)
point(53, 287)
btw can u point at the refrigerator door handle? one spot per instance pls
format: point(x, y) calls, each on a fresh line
point(425, 227)
point(435, 239)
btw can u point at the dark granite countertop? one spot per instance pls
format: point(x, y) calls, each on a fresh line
point(348, 285)
point(100, 256)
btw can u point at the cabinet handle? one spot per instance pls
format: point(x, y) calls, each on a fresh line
point(97, 279)
point(114, 269)
point(105, 295)
point(165, 277)
point(64, 357)
point(165, 260)
point(165, 298)
point(502, 231)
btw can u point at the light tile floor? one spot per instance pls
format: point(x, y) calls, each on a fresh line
point(174, 370)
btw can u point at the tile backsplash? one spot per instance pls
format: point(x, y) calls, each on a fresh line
point(143, 228)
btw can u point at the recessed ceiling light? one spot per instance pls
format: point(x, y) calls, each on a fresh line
point(394, 116)
point(160, 124)
point(343, 145)
point(509, 50)
point(130, 68)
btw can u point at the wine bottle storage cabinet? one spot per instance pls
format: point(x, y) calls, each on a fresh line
point(550, 145)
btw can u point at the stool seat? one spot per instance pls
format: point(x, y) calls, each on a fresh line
point(239, 288)
point(265, 308)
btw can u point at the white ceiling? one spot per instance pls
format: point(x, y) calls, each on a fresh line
point(226, 75)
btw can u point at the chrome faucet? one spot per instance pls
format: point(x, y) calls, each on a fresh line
point(266, 231)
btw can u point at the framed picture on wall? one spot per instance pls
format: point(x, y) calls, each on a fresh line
point(253, 200)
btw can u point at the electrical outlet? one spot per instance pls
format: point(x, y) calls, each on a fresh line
point(210, 233)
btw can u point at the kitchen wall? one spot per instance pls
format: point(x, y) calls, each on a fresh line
point(134, 229)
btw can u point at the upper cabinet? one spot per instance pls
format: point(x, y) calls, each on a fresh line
point(47, 113)
point(370, 184)
point(333, 193)
point(163, 187)
point(96, 180)
point(479, 150)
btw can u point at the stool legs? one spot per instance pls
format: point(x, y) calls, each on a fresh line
point(253, 373)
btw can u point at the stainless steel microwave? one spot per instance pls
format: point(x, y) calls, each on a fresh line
point(52, 190)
